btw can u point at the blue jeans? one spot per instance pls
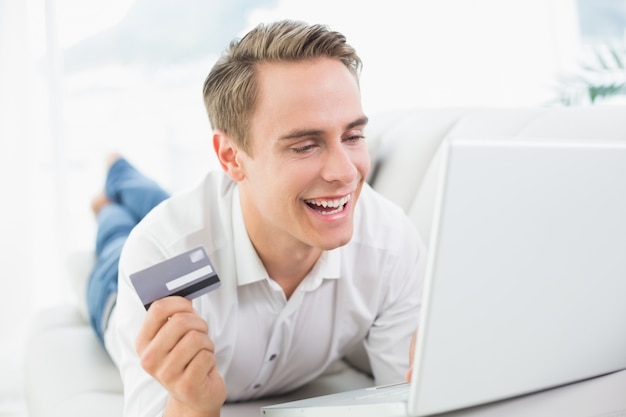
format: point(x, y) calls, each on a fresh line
point(132, 196)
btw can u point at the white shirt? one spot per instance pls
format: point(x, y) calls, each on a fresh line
point(368, 290)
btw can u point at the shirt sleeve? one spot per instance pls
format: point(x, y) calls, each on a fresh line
point(387, 343)
point(143, 395)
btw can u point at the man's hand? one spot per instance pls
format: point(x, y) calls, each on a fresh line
point(174, 347)
point(411, 355)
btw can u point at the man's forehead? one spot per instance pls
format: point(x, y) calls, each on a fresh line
point(306, 98)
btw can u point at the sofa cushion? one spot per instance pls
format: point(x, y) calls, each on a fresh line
point(66, 367)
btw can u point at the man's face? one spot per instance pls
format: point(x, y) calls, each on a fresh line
point(309, 157)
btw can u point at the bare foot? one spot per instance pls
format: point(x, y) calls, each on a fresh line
point(101, 199)
point(112, 157)
point(98, 202)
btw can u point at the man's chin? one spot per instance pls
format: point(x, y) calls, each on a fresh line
point(335, 243)
point(329, 237)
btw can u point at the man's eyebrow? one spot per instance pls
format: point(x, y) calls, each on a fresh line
point(361, 121)
point(301, 133)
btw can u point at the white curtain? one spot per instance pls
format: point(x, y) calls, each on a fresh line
point(17, 232)
point(16, 165)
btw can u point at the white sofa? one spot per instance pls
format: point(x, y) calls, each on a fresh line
point(68, 374)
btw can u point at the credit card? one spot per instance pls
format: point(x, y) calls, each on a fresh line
point(188, 275)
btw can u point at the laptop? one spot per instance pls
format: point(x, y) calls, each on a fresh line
point(525, 287)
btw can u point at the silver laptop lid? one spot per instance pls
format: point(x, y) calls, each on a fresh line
point(526, 286)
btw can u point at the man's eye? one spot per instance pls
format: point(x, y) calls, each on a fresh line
point(303, 149)
point(354, 138)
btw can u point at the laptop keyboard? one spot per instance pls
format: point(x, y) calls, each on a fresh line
point(387, 392)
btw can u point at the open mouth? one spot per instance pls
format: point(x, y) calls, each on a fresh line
point(328, 207)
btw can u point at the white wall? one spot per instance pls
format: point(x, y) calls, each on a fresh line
point(450, 52)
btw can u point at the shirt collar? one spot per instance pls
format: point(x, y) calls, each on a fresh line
point(249, 266)
point(328, 266)
point(250, 269)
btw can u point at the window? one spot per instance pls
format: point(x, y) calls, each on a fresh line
point(602, 20)
point(599, 75)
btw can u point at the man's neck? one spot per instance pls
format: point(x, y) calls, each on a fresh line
point(286, 259)
point(289, 266)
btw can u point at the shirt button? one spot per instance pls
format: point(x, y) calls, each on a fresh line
point(273, 357)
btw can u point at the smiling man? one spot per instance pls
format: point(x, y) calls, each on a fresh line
point(313, 262)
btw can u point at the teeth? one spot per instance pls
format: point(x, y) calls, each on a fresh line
point(330, 203)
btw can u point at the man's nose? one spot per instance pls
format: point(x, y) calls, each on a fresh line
point(339, 165)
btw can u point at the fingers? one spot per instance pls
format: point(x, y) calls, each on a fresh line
point(411, 356)
point(197, 385)
point(199, 369)
point(172, 335)
point(407, 377)
point(175, 345)
point(175, 348)
point(191, 359)
point(412, 348)
point(160, 312)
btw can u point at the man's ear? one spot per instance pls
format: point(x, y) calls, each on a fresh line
point(227, 153)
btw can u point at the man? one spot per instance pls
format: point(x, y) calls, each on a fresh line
point(313, 262)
